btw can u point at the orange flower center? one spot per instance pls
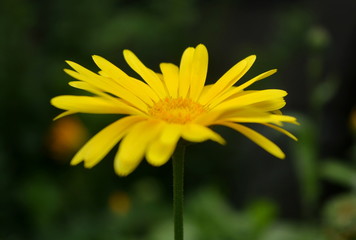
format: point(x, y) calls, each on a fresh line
point(177, 110)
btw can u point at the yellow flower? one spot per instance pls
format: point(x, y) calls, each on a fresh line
point(155, 113)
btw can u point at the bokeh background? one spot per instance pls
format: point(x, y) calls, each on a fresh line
point(233, 192)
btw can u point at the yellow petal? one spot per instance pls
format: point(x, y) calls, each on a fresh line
point(160, 76)
point(228, 79)
point(259, 139)
point(270, 105)
point(284, 118)
point(135, 86)
point(84, 86)
point(171, 78)
point(90, 77)
point(185, 70)
point(208, 118)
point(236, 90)
point(75, 75)
point(198, 133)
point(255, 79)
point(105, 85)
point(147, 74)
point(86, 104)
point(282, 131)
point(251, 115)
point(250, 97)
point(63, 114)
point(89, 88)
point(99, 145)
point(205, 90)
point(160, 150)
point(133, 147)
point(80, 70)
point(199, 71)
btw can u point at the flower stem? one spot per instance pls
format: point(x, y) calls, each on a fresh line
point(178, 182)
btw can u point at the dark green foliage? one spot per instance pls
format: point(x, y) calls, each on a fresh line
point(233, 192)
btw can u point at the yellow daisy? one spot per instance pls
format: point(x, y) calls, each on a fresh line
point(155, 113)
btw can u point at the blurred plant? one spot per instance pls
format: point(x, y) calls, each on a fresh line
point(338, 214)
point(209, 217)
point(292, 231)
point(42, 199)
point(307, 155)
point(340, 217)
point(338, 172)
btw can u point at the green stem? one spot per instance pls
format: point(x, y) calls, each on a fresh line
point(178, 182)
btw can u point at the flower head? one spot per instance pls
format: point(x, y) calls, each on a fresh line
point(165, 107)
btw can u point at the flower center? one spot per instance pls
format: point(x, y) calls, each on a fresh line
point(177, 110)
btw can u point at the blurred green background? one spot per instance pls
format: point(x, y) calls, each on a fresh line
point(233, 192)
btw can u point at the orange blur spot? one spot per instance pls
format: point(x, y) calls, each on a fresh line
point(66, 135)
point(119, 202)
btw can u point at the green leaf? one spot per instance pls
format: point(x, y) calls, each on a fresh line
point(338, 172)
